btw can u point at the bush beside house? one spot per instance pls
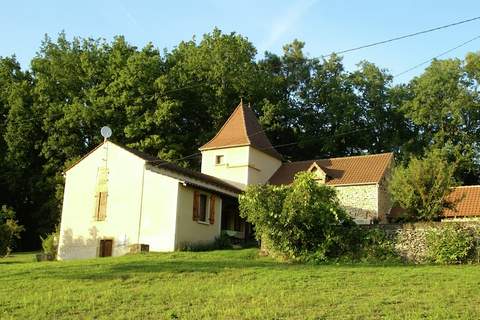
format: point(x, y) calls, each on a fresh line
point(302, 221)
point(9, 230)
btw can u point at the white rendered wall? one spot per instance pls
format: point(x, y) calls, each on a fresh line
point(242, 165)
point(80, 234)
point(159, 211)
point(189, 231)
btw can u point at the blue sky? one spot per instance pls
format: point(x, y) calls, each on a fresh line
point(325, 26)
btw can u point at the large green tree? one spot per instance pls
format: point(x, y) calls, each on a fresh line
point(171, 102)
point(444, 106)
point(422, 186)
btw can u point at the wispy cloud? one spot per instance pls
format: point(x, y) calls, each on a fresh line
point(284, 23)
point(131, 19)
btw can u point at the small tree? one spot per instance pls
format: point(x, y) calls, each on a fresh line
point(9, 230)
point(422, 187)
point(297, 220)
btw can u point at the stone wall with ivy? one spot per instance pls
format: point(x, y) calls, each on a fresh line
point(412, 243)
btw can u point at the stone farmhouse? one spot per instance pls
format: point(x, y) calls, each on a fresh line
point(118, 200)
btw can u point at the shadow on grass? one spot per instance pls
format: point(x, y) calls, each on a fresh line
point(20, 257)
point(121, 268)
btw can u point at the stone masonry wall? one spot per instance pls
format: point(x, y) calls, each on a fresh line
point(384, 202)
point(361, 201)
point(410, 239)
point(384, 199)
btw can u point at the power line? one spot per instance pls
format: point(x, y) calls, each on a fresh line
point(402, 37)
point(276, 146)
point(437, 56)
point(317, 138)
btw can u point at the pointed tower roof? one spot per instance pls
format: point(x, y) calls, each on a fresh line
point(242, 129)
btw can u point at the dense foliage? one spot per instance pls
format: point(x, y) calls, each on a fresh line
point(422, 186)
point(9, 230)
point(168, 103)
point(302, 220)
point(453, 244)
point(50, 243)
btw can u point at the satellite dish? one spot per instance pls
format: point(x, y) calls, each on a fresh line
point(106, 132)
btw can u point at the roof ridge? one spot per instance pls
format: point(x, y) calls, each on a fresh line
point(470, 186)
point(223, 126)
point(357, 156)
point(345, 157)
point(169, 165)
point(245, 122)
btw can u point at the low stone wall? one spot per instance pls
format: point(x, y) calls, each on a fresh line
point(410, 239)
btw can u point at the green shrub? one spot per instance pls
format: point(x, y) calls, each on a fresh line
point(450, 244)
point(9, 230)
point(221, 242)
point(422, 187)
point(377, 246)
point(50, 243)
point(302, 221)
point(356, 243)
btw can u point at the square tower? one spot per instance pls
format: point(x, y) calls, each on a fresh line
point(240, 153)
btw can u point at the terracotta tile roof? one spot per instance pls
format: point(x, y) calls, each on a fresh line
point(469, 202)
point(242, 129)
point(340, 171)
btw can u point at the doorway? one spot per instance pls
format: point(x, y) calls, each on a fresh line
point(106, 247)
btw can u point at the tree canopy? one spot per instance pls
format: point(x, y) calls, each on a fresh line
point(170, 102)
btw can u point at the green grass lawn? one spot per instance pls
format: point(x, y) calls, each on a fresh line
point(233, 284)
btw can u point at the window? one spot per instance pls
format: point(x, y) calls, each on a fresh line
point(219, 159)
point(101, 206)
point(202, 208)
point(101, 195)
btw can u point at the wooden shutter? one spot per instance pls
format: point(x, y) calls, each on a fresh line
point(212, 209)
point(196, 200)
point(102, 205)
point(97, 206)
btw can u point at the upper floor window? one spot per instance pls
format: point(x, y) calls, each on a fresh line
point(101, 194)
point(219, 159)
point(101, 206)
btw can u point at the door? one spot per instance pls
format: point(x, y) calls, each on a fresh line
point(106, 248)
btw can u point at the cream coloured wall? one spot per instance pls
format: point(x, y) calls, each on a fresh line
point(80, 234)
point(262, 166)
point(361, 201)
point(189, 231)
point(159, 210)
point(234, 168)
point(242, 165)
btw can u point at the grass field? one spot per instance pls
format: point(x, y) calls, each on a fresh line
point(234, 284)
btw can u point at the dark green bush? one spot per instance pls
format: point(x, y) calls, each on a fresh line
point(9, 230)
point(377, 246)
point(356, 243)
point(221, 242)
point(451, 244)
point(302, 221)
point(50, 243)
